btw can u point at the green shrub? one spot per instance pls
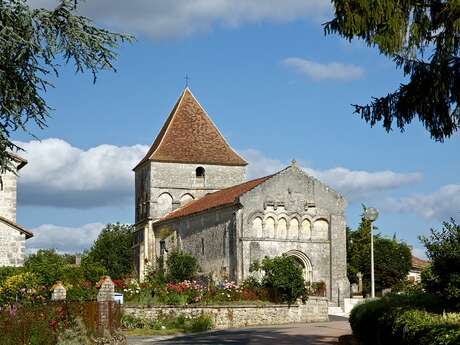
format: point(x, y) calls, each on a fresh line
point(443, 250)
point(23, 287)
point(200, 323)
point(251, 283)
point(81, 293)
point(422, 328)
point(46, 264)
point(379, 321)
point(284, 278)
point(92, 271)
point(181, 266)
point(8, 271)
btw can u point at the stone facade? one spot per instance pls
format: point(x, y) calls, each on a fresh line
point(314, 310)
point(12, 235)
point(8, 183)
point(12, 246)
point(290, 213)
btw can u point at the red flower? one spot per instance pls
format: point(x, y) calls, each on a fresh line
point(53, 325)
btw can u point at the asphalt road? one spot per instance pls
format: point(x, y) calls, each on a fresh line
point(320, 333)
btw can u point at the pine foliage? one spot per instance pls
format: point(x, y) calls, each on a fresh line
point(32, 43)
point(422, 37)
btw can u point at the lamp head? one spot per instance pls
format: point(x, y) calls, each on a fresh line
point(371, 214)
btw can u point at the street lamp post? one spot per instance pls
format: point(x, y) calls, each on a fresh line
point(371, 214)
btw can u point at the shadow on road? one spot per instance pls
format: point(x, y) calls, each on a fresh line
point(267, 336)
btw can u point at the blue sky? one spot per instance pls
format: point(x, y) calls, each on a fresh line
point(275, 86)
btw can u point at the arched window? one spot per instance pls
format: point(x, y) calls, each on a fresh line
point(164, 204)
point(269, 227)
point(185, 199)
point(320, 229)
point(257, 227)
point(306, 230)
point(200, 172)
point(293, 232)
point(282, 228)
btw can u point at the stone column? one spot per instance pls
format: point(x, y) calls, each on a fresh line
point(58, 292)
point(360, 282)
point(340, 286)
point(105, 304)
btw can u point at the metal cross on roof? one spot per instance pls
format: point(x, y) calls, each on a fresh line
point(187, 80)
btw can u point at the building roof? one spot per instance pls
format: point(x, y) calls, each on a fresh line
point(419, 263)
point(190, 136)
point(17, 227)
point(224, 197)
point(21, 161)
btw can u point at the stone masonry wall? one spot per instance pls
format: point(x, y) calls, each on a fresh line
point(229, 316)
point(8, 196)
point(209, 237)
point(180, 183)
point(12, 246)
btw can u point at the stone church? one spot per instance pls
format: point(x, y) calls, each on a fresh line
point(12, 235)
point(191, 193)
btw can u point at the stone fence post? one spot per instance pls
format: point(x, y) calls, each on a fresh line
point(58, 292)
point(105, 303)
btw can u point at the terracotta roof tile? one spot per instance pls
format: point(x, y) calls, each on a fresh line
point(419, 263)
point(189, 136)
point(224, 197)
point(17, 227)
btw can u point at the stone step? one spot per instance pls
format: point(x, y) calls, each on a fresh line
point(337, 311)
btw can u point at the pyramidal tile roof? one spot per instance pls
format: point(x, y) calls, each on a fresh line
point(223, 197)
point(190, 136)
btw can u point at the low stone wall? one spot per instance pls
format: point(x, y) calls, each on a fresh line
point(228, 316)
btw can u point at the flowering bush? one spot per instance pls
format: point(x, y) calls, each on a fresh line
point(132, 289)
point(120, 285)
point(185, 292)
point(227, 291)
point(24, 288)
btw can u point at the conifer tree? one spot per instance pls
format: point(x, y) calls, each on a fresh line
point(32, 44)
point(422, 37)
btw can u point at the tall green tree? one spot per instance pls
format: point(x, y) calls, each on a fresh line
point(47, 264)
point(422, 37)
point(392, 258)
point(113, 250)
point(33, 44)
point(443, 250)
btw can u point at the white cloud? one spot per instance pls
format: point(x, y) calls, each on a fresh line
point(173, 18)
point(324, 71)
point(440, 204)
point(64, 239)
point(259, 165)
point(61, 175)
point(354, 184)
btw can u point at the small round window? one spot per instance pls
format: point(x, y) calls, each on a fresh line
point(200, 172)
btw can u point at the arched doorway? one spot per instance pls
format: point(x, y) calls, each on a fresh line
point(304, 263)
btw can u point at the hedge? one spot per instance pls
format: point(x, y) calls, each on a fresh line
point(415, 319)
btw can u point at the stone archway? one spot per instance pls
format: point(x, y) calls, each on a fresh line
point(304, 262)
